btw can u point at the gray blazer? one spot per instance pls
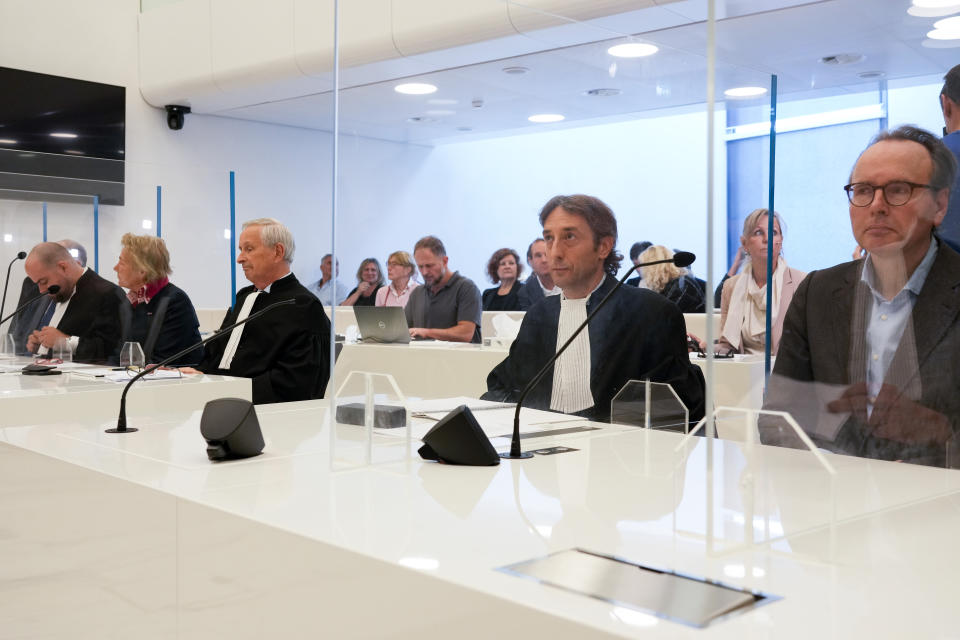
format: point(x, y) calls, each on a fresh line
point(823, 353)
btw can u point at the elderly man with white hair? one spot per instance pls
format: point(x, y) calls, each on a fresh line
point(286, 351)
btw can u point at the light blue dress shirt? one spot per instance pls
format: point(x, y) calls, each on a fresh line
point(888, 320)
point(326, 293)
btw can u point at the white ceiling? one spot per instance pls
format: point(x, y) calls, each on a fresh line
point(788, 42)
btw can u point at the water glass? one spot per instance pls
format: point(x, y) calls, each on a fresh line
point(8, 347)
point(131, 355)
point(61, 350)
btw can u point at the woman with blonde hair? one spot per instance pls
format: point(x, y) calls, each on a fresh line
point(674, 283)
point(743, 303)
point(369, 281)
point(401, 272)
point(163, 319)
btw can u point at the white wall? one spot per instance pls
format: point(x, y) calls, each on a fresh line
point(281, 171)
point(480, 196)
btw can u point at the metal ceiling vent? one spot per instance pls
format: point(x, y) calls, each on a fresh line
point(838, 59)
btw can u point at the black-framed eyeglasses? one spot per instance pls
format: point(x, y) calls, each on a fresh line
point(895, 193)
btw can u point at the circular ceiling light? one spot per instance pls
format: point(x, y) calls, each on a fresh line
point(933, 4)
point(633, 50)
point(7, 141)
point(745, 92)
point(415, 88)
point(871, 75)
point(934, 12)
point(465, 129)
point(546, 117)
point(421, 120)
point(515, 71)
point(946, 29)
point(63, 135)
point(602, 92)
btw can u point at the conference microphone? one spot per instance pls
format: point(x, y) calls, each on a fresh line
point(51, 290)
point(680, 259)
point(3, 300)
point(122, 418)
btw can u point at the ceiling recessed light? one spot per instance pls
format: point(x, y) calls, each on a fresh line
point(633, 50)
point(415, 88)
point(226, 234)
point(871, 75)
point(440, 112)
point(933, 4)
point(8, 237)
point(934, 12)
point(842, 58)
point(546, 117)
point(443, 101)
point(421, 120)
point(515, 71)
point(7, 141)
point(948, 28)
point(75, 152)
point(60, 134)
point(147, 224)
point(465, 129)
point(745, 92)
point(602, 92)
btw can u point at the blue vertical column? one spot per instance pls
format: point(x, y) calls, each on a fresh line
point(44, 221)
point(158, 210)
point(233, 242)
point(96, 233)
point(770, 221)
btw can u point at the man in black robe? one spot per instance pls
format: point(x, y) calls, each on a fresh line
point(636, 336)
point(286, 351)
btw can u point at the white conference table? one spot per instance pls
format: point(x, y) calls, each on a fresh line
point(140, 536)
point(74, 395)
point(424, 369)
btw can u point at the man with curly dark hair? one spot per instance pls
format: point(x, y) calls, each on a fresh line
point(638, 334)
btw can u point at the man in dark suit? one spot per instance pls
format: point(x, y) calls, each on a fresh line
point(638, 335)
point(540, 283)
point(23, 324)
point(869, 361)
point(85, 312)
point(286, 352)
point(635, 250)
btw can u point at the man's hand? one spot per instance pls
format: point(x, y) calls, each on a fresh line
point(894, 416)
point(189, 370)
point(419, 332)
point(33, 341)
point(48, 336)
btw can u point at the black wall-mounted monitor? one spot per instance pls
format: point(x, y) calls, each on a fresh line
point(61, 139)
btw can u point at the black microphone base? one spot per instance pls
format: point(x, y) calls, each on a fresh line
point(506, 455)
point(125, 430)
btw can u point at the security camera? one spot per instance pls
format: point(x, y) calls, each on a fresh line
point(175, 114)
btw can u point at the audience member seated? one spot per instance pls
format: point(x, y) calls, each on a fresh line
point(672, 282)
point(163, 319)
point(22, 324)
point(743, 306)
point(732, 271)
point(447, 306)
point(635, 250)
point(369, 281)
point(328, 289)
point(85, 312)
point(870, 356)
point(504, 268)
point(540, 284)
point(636, 335)
point(286, 351)
point(401, 271)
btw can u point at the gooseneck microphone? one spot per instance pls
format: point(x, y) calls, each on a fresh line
point(51, 290)
point(680, 259)
point(122, 418)
point(20, 256)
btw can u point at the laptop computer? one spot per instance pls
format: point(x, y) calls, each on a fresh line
point(382, 324)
